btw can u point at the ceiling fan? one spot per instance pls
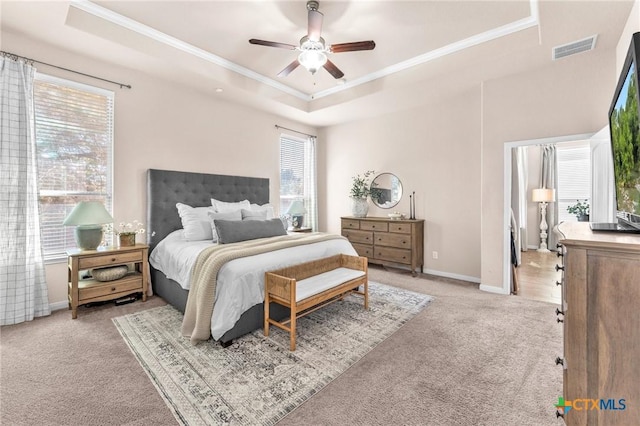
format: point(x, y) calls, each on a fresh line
point(313, 50)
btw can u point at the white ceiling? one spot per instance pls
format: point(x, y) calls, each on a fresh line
point(425, 50)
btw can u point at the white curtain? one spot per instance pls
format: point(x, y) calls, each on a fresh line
point(603, 201)
point(549, 180)
point(23, 286)
point(310, 183)
point(519, 185)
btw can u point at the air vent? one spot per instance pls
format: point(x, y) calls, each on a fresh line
point(569, 49)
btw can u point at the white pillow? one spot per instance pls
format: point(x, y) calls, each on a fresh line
point(266, 207)
point(222, 206)
point(230, 215)
point(195, 222)
point(254, 214)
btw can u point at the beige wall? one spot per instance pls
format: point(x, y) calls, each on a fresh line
point(165, 126)
point(435, 151)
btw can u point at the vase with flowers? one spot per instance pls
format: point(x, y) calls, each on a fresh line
point(360, 191)
point(580, 210)
point(126, 232)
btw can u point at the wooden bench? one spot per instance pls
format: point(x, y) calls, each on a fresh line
point(305, 287)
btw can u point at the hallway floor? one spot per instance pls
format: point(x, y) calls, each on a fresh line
point(537, 276)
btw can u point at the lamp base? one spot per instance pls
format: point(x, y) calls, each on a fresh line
point(88, 237)
point(296, 221)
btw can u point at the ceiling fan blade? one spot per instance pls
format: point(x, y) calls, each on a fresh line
point(315, 25)
point(333, 70)
point(292, 66)
point(272, 44)
point(351, 47)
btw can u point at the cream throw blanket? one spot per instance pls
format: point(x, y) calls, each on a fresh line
point(197, 316)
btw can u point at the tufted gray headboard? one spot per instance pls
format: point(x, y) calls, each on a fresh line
point(165, 188)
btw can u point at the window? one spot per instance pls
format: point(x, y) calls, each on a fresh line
point(298, 176)
point(74, 148)
point(574, 176)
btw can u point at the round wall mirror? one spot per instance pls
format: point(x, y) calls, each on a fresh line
point(386, 190)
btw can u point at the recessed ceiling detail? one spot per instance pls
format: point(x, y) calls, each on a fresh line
point(133, 25)
point(579, 46)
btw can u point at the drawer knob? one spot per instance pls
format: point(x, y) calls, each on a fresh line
point(373, 226)
point(559, 414)
point(560, 253)
point(558, 246)
point(559, 361)
point(559, 320)
point(559, 312)
point(559, 268)
point(558, 283)
point(113, 289)
point(404, 257)
point(113, 259)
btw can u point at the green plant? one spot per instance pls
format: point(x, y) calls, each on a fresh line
point(580, 208)
point(361, 187)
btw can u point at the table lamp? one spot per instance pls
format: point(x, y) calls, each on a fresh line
point(88, 217)
point(543, 196)
point(296, 211)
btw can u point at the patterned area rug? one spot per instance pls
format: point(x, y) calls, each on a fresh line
point(257, 380)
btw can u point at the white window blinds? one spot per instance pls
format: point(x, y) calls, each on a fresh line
point(298, 176)
point(574, 177)
point(74, 139)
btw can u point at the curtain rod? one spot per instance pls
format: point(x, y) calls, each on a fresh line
point(295, 131)
point(16, 57)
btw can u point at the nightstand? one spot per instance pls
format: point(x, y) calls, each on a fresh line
point(86, 290)
point(303, 229)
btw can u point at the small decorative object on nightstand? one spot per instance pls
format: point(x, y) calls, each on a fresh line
point(86, 290)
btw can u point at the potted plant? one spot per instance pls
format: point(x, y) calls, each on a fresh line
point(581, 210)
point(360, 190)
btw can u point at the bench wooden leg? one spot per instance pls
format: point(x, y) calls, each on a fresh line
point(366, 294)
point(266, 314)
point(292, 332)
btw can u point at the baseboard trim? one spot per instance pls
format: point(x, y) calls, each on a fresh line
point(493, 289)
point(454, 276)
point(56, 306)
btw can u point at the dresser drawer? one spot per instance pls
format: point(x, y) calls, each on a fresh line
point(365, 237)
point(88, 262)
point(392, 240)
point(363, 250)
point(400, 228)
point(90, 289)
point(393, 254)
point(350, 224)
point(374, 226)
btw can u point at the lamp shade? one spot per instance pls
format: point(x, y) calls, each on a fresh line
point(541, 195)
point(296, 208)
point(88, 213)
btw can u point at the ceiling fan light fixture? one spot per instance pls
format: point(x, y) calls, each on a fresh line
point(312, 60)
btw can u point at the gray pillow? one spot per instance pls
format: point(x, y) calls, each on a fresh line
point(254, 214)
point(229, 215)
point(232, 231)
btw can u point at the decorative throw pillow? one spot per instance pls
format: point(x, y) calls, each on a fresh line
point(254, 214)
point(234, 231)
point(223, 206)
point(230, 215)
point(195, 222)
point(265, 207)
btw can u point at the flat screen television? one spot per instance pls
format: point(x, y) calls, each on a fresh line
point(624, 125)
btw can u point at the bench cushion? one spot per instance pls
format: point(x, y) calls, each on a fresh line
point(319, 283)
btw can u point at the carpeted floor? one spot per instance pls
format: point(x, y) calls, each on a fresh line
point(471, 358)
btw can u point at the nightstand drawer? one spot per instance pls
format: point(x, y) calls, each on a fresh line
point(103, 260)
point(393, 255)
point(364, 237)
point(374, 226)
point(91, 289)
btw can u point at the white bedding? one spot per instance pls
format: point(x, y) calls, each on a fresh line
point(240, 282)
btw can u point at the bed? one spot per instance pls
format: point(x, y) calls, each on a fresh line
point(165, 189)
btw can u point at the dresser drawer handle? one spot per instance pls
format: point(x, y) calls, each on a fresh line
point(113, 259)
point(559, 268)
point(559, 361)
point(558, 283)
point(559, 414)
point(113, 289)
point(559, 320)
point(373, 227)
point(559, 312)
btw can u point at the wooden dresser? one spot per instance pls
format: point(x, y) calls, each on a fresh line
point(601, 319)
point(387, 242)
